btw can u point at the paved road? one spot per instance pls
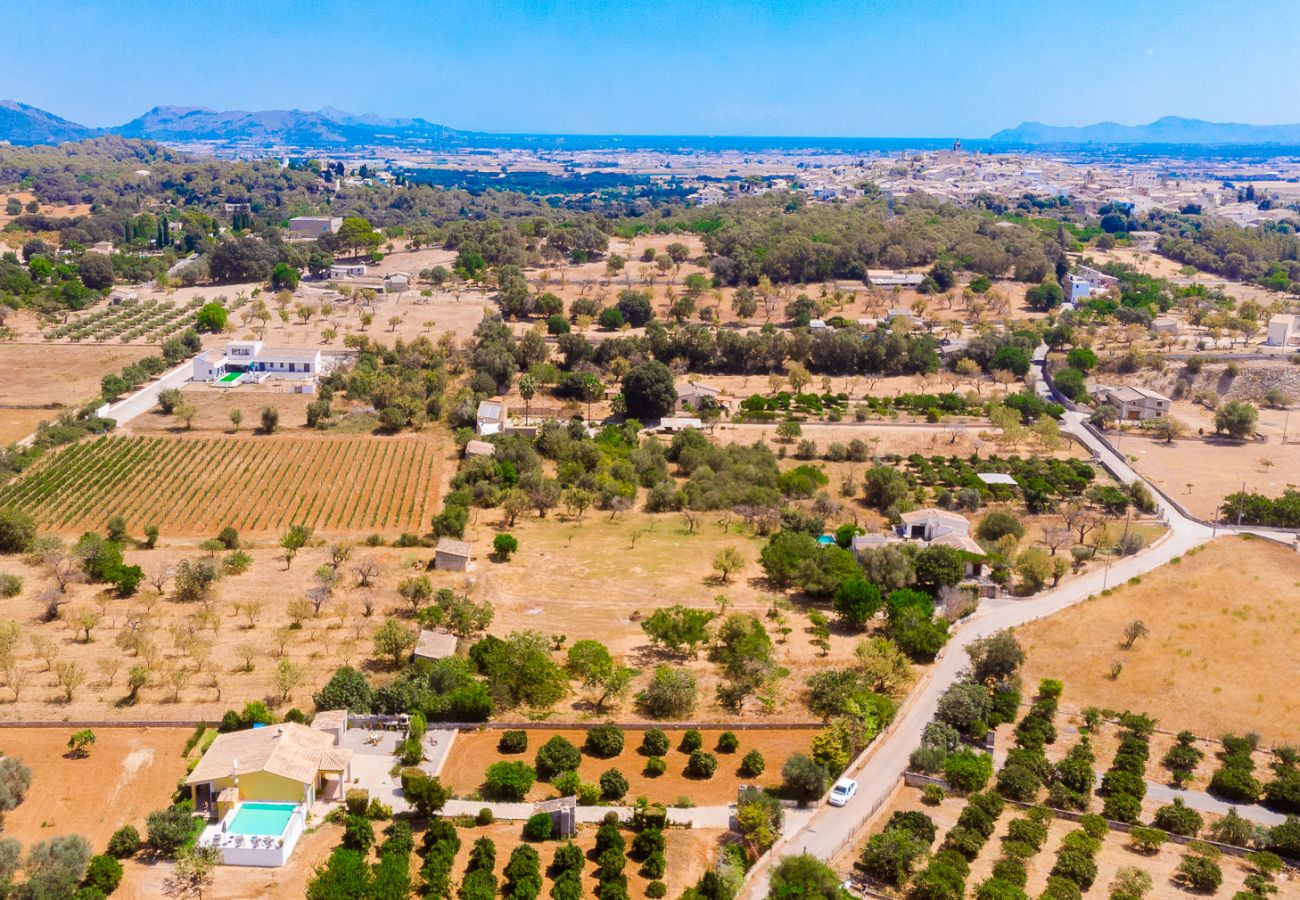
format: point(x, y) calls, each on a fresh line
point(829, 830)
point(144, 399)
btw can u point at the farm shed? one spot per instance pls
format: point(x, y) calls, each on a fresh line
point(434, 645)
point(452, 554)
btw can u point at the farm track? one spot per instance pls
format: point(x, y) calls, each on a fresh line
point(198, 485)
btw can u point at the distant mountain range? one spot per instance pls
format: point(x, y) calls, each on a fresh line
point(24, 124)
point(1169, 130)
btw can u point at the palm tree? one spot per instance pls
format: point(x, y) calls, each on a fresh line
point(527, 388)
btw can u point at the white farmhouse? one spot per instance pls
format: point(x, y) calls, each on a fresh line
point(242, 359)
point(348, 270)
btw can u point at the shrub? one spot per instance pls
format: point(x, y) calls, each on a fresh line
point(752, 764)
point(356, 800)
point(932, 795)
point(803, 778)
point(604, 741)
point(378, 810)
point(669, 695)
point(568, 858)
point(655, 766)
point(485, 817)
point(701, 764)
point(103, 874)
point(966, 841)
point(509, 781)
point(10, 585)
point(169, 828)
point(1059, 888)
point(1011, 871)
point(124, 843)
point(916, 823)
point(555, 756)
point(1077, 867)
point(504, 546)
point(1147, 840)
point(890, 855)
point(513, 741)
point(692, 740)
point(1177, 818)
point(728, 742)
point(655, 865)
point(999, 524)
point(654, 743)
point(613, 786)
point(539, 827)
point(967, 770)
point(656, 889)
point(1200, 873)
point(1122, 808)
point(1027, 831)
point(358, 834)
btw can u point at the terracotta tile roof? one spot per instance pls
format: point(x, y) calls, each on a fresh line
point(290, 750)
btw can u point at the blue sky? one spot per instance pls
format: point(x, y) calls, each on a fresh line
point(768, 67)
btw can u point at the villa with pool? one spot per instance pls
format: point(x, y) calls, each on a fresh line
point(254, 361)
point(258, 787)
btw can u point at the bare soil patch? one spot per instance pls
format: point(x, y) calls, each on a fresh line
point(63, 374)
point(129, 773)
point(1223, 629)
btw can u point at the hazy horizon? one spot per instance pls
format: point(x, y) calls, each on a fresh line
point(774, 68)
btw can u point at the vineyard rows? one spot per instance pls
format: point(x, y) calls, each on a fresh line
point(199, 485)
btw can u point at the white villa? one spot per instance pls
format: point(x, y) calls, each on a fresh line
point(253, 359)
point(930, 524)
point(261, 784)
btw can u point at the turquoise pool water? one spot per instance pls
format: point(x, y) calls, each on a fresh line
point(261, 818)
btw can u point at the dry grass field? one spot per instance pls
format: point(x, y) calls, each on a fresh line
point(473, 752)
point(1223, 632)
point(598, 578)
point(1199, 474)
point(18, 423)
point(197, 653)
point(62, 374)
point(255, 483)
point(129, 773)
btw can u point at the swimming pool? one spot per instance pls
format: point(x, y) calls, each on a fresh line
point(262, 818)
point(230, 377)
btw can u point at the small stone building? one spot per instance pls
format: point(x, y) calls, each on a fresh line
point(452, 554)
